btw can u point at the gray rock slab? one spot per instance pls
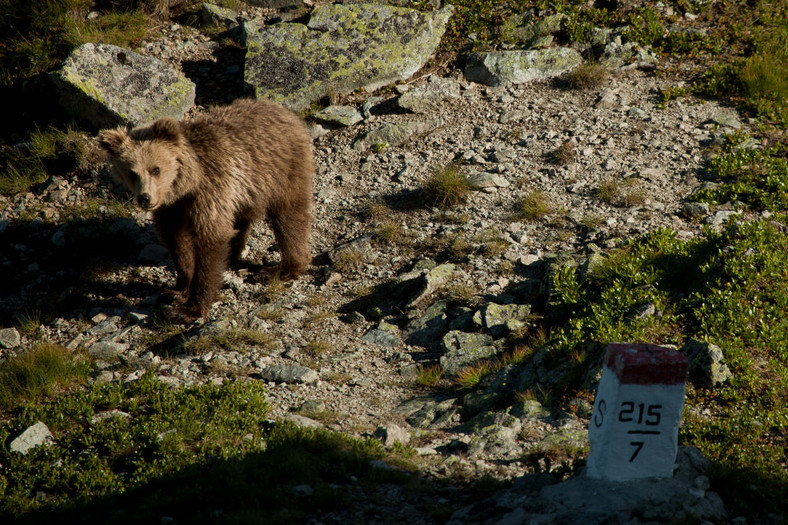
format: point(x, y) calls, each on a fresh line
point(429, 326)
point(502, 68)
point(381, 337)
point(289, 374)
point(214, 15)
point(394, 134)
point(463, 349)
point(31, 438)
point(106, 350)
point(339, 116)
point(302, 421)
point(343, 48)
point(10, 338)
point(430, 281)
point(424, 98)
point(107, 86)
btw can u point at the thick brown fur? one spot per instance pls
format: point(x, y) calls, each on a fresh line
point(209, 179)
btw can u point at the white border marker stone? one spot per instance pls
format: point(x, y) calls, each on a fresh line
point(634, 428)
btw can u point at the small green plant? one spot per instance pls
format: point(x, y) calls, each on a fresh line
point(534, 205)
point(669, 93)
point(459, 247)
point(43, 370)
point(448, 186)
point(645, 26)
point(461, 293)
point(379, 147)
point(493, 241)
point(756, 177)
point(608, 191)
point(236, 339)
point(592, 220)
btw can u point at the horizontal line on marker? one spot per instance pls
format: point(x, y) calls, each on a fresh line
point(643, 432)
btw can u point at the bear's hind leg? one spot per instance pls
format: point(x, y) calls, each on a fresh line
point(291, 229)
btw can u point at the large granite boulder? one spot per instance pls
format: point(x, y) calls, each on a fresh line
point(107, 86)
point(341, 49)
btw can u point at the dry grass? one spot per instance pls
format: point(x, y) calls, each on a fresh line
point(534, 205)
point(586, 77)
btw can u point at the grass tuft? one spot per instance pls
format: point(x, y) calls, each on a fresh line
point(447, 187)
point(429, 376)
point(587, 77)
point(534, 205)
point(43, 370)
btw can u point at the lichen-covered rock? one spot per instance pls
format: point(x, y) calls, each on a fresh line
point(518, 28)
point(107, 86)
point(289, 374)
point(707, 368)
point(501, 68)
point(214, 15)
point(463, 349)
point(391, 135)
point(631, 54)
point(501, 318)
point(343, 48)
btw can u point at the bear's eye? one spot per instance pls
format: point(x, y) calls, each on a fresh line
point(154, 172)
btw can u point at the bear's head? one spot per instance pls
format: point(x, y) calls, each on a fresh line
point(147, 160)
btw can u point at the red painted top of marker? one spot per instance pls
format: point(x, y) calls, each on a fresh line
point(645, 364)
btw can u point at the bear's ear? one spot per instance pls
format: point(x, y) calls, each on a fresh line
point(167, 129)
point(111, 140)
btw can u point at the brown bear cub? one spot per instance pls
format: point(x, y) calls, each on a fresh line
point(207, 181)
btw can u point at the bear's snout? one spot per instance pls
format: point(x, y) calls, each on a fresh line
point(144, 200)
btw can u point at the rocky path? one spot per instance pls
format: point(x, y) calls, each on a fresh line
point(607, 164)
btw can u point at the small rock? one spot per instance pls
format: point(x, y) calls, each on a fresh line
point(107, 350)
point(10, 338)
point(391, 434)
point(302, 491)
point(694, 210)
point(31, 438)
point(289, 374)
point(706, 364)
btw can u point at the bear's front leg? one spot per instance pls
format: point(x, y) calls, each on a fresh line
point(175, 232)
point(210, 263)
